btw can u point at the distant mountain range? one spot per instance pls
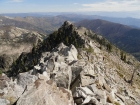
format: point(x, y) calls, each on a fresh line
point(40, 24)
point(48, 24)
point(123, 36)
point(8, 21)
point(133, 22)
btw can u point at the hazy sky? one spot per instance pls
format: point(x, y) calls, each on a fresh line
point(20, 6)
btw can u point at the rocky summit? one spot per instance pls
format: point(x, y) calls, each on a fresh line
point(73, 66)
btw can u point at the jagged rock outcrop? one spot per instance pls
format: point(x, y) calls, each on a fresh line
point(82, 73)
point(66, 33)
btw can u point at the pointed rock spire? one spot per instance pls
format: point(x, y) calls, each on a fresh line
point(66, 23)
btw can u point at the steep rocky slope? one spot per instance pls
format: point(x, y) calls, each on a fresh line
point(123, 36)
point(72, 66)
point(14, 41)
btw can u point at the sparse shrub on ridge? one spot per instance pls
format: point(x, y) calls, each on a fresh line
point(123, 56)
point(109, 47)
point(90, 49)
point(116, 103)
point(0, 71)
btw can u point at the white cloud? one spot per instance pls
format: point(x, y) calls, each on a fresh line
point(111, 5)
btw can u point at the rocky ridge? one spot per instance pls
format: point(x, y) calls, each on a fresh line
point(80, 72)
point(125, 37)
